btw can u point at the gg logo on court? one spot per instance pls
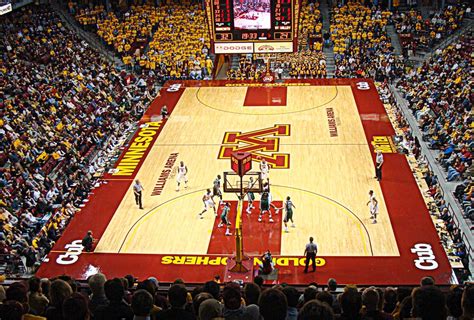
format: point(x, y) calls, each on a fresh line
point(73, 251)
point(174, 87)
point(362, 85)
point(262, 144)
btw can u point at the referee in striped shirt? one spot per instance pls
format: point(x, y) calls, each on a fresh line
point(310, 253)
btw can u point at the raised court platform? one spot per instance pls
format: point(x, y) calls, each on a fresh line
point(319, 136)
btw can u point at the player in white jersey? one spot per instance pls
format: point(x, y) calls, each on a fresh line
point(264, 169)
point(182, 175)
point(208, 203)
point(216, 188)
point(373, 206)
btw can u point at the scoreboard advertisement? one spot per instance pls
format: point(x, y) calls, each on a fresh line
point(253, 26)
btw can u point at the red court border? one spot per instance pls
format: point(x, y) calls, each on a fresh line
point(259, 236)
point(265, 97)
point(411, 222)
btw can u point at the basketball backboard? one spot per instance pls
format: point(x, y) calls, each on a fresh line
point(251, 182)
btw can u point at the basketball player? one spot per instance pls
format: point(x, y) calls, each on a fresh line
point(208, 203)
point(216, 189)
point(266, 188)
point(373, 206)
point(250, 196)
point(265, 206)
point(182, 172)
point(289, 213)
point(225, 219)
point(265, 170)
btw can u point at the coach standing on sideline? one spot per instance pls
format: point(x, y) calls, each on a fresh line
point(310, 253)
point(378, 165)
point(137, 191)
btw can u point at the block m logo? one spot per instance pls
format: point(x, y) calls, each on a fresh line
point(262, 144)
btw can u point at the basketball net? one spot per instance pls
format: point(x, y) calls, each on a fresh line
point(268, 74)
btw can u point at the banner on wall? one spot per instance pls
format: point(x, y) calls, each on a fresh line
point(233, 47)
point(273, 47)
point(5, 8)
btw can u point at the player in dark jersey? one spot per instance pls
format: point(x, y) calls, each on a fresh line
point(250, 196)
point(289, 213)
point(225, 219)
point(265, 206)
point(216, 188)
point(266, 188)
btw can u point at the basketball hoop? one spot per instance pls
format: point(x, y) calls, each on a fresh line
point(268, 75)
point(251, 182)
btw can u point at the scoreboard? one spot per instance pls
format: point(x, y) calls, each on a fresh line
point(253, 26)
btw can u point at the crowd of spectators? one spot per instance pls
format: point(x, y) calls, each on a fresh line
point(87, 16)
point(440, 97)
point(63, 111)
point(170, 40)
point(62, 105)
point(310, 26)
point(418, 33)
point(126, 298)
point(308, 64)
point(448, 231)
point(362, 47)
point(463, 194)
point(450, 234)
point(129, 31)
point(248, 69)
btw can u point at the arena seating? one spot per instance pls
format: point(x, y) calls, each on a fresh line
point(463, 194)
point(308, 64)
point(310, 26)
point(173, 41)
point(62, 106)
point(441, 213)
point(417, 33)
point(248, 69)
point(362, 48)
point(129, 33)
point(88, 17)
point(124, 298)
point(439, 96)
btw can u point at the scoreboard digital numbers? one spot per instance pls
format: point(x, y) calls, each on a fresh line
point(252, 26)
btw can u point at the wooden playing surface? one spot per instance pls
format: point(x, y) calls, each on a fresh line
point(328, 178)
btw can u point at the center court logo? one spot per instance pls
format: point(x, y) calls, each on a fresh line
point(362, 85)
point(262, 144)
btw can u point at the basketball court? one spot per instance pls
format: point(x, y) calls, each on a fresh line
point(319, 137)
